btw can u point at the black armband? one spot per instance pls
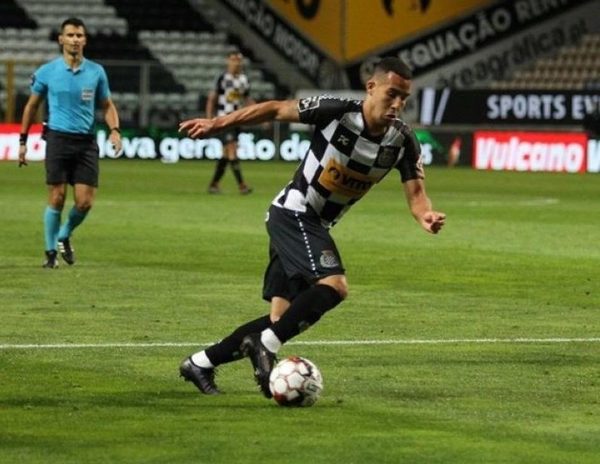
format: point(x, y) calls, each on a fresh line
point(23, 139)
point(115, 129)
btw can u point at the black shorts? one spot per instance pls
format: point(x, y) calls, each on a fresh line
point(71, 158)
point(301, 252)
point(228, 136)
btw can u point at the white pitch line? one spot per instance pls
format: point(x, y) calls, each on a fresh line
point(456, 341)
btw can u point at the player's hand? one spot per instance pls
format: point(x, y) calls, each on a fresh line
point(22, 154)
point(117, 144)
point(432, 221)
point(196, 128)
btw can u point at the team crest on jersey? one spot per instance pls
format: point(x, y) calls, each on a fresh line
point(328, 259)
point(387, 157)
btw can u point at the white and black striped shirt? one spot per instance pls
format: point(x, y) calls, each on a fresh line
point(232, 92)
point(343, 161)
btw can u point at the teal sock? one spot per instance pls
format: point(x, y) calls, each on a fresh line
point(51, 226)
point(74, 218)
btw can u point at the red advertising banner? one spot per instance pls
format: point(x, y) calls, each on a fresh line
point(9, 142)
point(489, 150)
point(530, 151)
point(593, 155)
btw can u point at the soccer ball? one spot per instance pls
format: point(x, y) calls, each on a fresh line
point(295, 381)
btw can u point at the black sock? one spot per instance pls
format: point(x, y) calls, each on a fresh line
point(228, 349)
point(305, 310)
point(220, 170)
point(237, 171)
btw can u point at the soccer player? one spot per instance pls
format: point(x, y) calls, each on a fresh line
point(355, 144)
point(231, 92)
point(74, 87)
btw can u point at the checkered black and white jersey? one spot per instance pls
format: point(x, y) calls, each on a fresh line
point(343, 161)
point(232, 91)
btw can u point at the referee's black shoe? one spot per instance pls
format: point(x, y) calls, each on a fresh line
point(51, 260)
point(203, 378)
point(262, 359)
point(66, 251)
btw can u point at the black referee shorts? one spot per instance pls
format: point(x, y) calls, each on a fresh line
point(71, 158)
point(301, 252)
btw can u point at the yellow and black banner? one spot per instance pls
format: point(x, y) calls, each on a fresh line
point(346, 30)
point(321, 36)
point(320, 21)
point(373, 25)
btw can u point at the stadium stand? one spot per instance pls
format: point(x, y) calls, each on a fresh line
point(19, 35)
point(153, 15)
point(572, 68)
point(189, 46)
point(99, 18)
point(183, 47)
point(13, 16)
point(110, 38)
point(179, 47)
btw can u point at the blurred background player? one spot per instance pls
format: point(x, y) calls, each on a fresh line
point(231, 92)
point(74, 87)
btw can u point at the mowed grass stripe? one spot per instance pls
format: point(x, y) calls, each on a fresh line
point(308, 343)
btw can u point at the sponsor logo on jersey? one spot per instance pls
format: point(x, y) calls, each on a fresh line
point(343, 140)
point(233, 96)
point(339, 179)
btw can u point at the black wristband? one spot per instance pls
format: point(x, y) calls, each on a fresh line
point(23, 139)
point(115, 129)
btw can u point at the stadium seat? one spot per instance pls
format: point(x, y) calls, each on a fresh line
point(572, 67)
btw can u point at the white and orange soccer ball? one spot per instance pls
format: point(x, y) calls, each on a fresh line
point(296, 381)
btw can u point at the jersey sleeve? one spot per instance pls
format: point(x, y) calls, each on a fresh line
point(39, 82)
point(321, 110)
point(216, 87)
point(411, 163)
point(247, 88)
point(103, 90)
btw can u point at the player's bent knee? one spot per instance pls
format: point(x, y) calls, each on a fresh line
point(343, 291)
point(338, 283)
point(341, 288)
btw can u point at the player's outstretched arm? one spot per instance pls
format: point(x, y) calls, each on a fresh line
point(420, 206)
point(273, 110)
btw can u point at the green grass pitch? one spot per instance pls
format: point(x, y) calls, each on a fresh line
point(479, 345)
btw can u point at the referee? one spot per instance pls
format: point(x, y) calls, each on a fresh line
point(74, 87)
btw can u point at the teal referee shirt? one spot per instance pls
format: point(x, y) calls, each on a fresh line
point(72, 95)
